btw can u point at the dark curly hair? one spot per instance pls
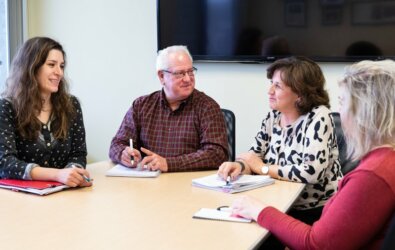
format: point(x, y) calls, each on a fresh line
point(305, 78)
point(22, 89)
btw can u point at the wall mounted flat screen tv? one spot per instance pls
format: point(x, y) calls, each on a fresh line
point(265, 30)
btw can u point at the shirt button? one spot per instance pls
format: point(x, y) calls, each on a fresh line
point(45, 127)
point(48, 144)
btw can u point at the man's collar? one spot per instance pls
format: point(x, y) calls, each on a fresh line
point(184, 102)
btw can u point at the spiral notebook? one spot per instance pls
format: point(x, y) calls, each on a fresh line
point(214, 214)
point(242, 183)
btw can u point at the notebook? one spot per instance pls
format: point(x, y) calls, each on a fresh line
point(214, 214)
point(120, 170)
point(34, 187)
point(243, 183)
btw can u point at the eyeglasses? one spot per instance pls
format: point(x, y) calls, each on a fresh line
point(181, 74)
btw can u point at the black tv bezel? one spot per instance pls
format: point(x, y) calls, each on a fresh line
point(264, 59)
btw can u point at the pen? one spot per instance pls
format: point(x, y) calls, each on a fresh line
point(228, 180)
point(131, 147)
point(224, 209)
point(85, 177)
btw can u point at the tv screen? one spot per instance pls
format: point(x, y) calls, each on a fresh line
point(265, 30)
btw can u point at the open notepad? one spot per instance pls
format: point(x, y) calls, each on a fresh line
point(119, 170)
point(34, 187)
point(243, 183)
point(214, 214)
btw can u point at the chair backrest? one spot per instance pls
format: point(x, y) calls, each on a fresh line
point(346, 164)
point(389, 240)
point(230, 121)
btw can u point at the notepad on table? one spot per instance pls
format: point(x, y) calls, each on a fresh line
point(214, 214)
point(120, 170)
point(243, 183)
point(34, 187)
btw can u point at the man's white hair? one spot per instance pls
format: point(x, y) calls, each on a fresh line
point(162, 60)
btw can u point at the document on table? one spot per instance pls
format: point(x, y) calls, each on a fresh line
point(120, 170)
point(214, 214)
point(243, 183)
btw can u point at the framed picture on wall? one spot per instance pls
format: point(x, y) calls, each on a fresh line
point(373, 12)
point(295, 13)
point(332, 15)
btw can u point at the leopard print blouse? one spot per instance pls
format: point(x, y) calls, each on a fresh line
point(305, 151)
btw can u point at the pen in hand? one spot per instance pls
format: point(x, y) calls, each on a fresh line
point(131, 147)
point(228, 180)
point(84, 176)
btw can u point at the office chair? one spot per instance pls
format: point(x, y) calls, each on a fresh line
point(389, 240)
point(230, 121)
point(346, 164)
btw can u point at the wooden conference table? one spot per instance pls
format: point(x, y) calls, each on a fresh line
point(132, 213)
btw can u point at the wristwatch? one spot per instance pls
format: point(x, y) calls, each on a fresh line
point(265, 169)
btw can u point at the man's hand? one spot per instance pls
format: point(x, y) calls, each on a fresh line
point(126, 157)
point(154, 161)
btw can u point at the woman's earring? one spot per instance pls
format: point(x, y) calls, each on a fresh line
point(298, 101)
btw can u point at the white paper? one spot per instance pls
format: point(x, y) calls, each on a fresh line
point(214, 214)
point(119, 170)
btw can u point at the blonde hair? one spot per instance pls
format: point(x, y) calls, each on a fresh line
point(162, 60)
point(371, 88)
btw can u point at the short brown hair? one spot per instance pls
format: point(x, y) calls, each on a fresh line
point(305, 78)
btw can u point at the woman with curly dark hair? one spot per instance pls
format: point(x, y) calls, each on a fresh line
point(42, 134)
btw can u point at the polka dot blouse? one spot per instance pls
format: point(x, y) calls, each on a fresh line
point(18, 155)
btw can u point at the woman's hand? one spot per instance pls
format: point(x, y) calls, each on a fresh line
point(73, 177)
point(247, 207)
point(253, 161)
point(232, 169)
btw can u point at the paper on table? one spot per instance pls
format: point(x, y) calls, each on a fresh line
point(119, 170)
point(214, 214)
point(243, 183)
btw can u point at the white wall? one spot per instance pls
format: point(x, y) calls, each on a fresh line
point(111, 51)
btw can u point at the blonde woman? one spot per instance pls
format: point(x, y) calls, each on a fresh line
point(358, 215)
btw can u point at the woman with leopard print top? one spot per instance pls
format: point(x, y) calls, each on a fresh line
point(297, 139)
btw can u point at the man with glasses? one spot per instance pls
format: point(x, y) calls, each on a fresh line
point(177, 128)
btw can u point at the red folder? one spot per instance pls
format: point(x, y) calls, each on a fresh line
point(30, 184)
point(35, 187)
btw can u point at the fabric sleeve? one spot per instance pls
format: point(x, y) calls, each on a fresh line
point(213, 149)
point(78, 151)
point(311, 164)
point(10, 166)
point(125, 132)
point(351, 219)
point(262, 139)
